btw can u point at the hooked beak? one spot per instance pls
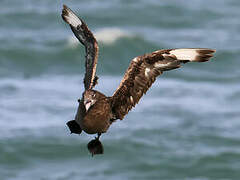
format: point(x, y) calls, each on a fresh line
point(87, 104)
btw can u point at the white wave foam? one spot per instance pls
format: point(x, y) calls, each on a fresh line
point(72, 41)
point(105, 35)
point(110, 35)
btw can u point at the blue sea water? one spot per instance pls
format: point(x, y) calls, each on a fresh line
point(187, 125)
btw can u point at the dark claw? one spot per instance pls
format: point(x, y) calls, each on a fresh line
point(95, 147)
point(74, 127)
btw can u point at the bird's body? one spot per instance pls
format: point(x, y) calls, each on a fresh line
point(96, 112)
point(99, 115)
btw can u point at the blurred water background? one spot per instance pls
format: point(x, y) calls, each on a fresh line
point(187, 127)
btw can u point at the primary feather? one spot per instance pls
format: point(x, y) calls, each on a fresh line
point(86, 37)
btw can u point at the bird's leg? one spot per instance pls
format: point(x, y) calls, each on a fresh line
point(95, 146)
point(98, 136)
point(74, 127)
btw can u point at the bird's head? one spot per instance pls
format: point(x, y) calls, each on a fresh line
point(89, 98)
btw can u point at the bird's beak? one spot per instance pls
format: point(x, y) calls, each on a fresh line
point(87, 104)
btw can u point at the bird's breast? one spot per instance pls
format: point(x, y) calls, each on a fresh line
point(97, 118)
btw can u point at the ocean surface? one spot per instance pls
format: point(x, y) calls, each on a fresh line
point(187, 126)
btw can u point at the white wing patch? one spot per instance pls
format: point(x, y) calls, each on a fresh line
point(131, 99)
point(161, 65)
point(135, 59)
point(147, 70)
point(72, 18)
point(185, 54)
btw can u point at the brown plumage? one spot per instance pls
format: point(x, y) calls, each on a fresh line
point(96, 112)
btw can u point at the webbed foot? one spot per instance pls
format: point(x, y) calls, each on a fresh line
point(74, 127)
point(95, 146)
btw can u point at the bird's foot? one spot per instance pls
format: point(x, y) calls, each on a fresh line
point(74, 127)
point(95, 146)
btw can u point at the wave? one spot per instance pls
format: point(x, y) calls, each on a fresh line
point(55, 103)
point(106, 36)
point(111, 35)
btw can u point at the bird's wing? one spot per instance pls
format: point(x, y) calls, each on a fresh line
point(86, 37)
point(143, 70)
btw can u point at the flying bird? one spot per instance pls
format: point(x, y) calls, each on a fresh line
point(96, 111)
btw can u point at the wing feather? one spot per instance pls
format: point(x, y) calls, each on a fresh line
point(86, 37)
point(143, 71)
